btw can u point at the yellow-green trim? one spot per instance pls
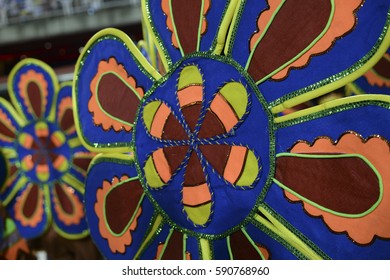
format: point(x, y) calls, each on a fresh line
point(12, 111)
point(332, 104)
point(205, 248)
point(347, 78)
point(153, 230)
point(19, 184)
point(318, 38)
point(136, 54)
point(224, 31)
point(282, 231)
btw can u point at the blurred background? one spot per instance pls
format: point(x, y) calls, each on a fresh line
point(55, 31)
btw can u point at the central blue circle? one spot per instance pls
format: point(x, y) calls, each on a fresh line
point(42, 151)
point(231, 204)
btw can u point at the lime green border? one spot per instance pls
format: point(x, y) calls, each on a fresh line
point(139, 59)
point(359, 215)
point(328, 108)
point(270, 222)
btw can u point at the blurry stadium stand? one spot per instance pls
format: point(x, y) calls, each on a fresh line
point(55, 30)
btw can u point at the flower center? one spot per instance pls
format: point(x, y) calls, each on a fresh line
point(207, 157)
point(43, 151)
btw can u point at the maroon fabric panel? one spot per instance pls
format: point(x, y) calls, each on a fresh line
point(67, 120)
point(82, 163)
point(241, 248)
point(296, 25)
point(117, 98)
point(31, 201)
point(6, 131)
point(121, 204)
point(65, 202)
point(35, 97)
point(174, 249)
point(175, 156)
point(217, 155)
point(186, 15)
point(211, 126)
point(345, 185)
point(194, 173)
point(383, 68)
point(173, 130)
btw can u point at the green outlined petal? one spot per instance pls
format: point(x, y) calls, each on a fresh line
point(333, 55)
point(13, 183)
point(161, 123)
point(33, 86)
point(112, 80)
point(179, 28)
point(187, 22)
point(343, 130)
point(29, 210)
point(117, 210)
point(226, 110)
point(68, 211)
point(317, 179)
point(329, 20)
point(111, 77)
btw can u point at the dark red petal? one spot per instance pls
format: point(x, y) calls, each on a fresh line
point(345, 185)
point(121, 203)
point(296, 25)
point(124, 105)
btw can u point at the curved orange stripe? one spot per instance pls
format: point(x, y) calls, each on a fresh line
point(159, 120)
point(235, 164)
point(43, 168)
point(162, 165)
point(190, 95)
point(28, 163)
point(197, 195)
point(59, 161)
point(224, 112)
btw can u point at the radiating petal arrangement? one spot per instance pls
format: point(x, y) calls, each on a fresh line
point(45, 185)
point(196, 159)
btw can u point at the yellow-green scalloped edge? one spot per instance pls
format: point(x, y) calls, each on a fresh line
point(339, 83)
point(45, 67)
point(141, 60)
point(333, 104)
